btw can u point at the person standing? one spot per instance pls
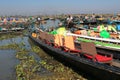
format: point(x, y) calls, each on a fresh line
point(69, 21)
point(38, 21)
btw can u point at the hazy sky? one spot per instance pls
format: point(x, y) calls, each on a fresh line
point(33, 7)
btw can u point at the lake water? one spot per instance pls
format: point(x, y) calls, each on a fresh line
point(7, 64)
point(51, 23)
point(8, 61)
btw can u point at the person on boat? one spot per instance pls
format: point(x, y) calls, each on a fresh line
point(101, 27)
point(111, 28)
point(73, 28)
point(38, 18)
point(70, 21)
point(86, 26)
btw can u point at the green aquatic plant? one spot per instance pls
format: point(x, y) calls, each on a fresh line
point(8, 36)
point(10, 46)
point(36, 49)
point(31, 67)
point(14, 45)
point(22, 54)
point(55, 67)
point(27, 67)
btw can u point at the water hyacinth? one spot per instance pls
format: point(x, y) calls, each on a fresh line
point(10, 46)
point(36, 49)
point(28, 65)
point(21, 54)
point(56, 68)
point(8, 36)
point(31, 69)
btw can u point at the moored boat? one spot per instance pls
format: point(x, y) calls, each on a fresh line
point(63, 48)
point(102, 44)
point(11, 30)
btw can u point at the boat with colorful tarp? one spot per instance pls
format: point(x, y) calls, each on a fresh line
point(103, 44)
point(83, 57)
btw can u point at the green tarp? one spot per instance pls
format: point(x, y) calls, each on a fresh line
point(53, 32)
point(104, 34)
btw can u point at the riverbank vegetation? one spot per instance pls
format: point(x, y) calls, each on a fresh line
point(47, 68)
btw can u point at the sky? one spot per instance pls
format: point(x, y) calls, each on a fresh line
point(43, 7)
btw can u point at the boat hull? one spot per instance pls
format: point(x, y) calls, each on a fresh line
point(96, 70)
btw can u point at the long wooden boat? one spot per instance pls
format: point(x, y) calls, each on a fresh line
point(109, 70)
point(12, 30)
point(102, 44)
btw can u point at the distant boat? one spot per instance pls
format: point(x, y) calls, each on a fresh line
point(16, 30)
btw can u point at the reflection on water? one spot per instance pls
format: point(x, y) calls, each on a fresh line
point(35, 56)
point(8, 61)
point(17, 40)
point(51, 23)
point(7, 64)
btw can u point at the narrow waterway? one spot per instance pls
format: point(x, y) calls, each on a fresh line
point(50, 69)
point(8, 61)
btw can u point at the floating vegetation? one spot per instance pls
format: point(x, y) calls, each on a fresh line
point(13, 46)
point(36, 49)
point(47, 68)
point(25, 32)
point(8, 36)
point(60, 72)
point(10, 46)
point(27, 67)
point(22, 54)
